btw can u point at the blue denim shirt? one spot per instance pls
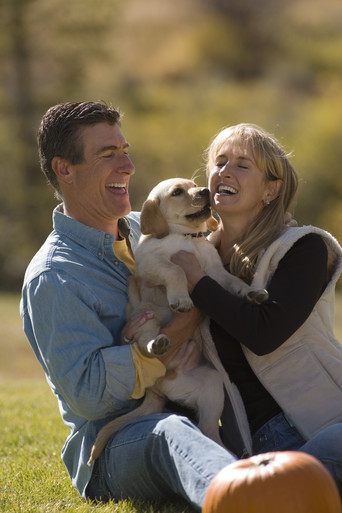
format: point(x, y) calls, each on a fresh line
point(73, 308)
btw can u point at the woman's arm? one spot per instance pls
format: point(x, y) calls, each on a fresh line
point(293, 291)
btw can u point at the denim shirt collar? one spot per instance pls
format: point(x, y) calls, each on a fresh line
point(96, 241)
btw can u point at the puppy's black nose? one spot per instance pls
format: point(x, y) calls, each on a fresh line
point(204, 192)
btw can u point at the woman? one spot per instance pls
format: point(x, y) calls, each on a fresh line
point(283, 364)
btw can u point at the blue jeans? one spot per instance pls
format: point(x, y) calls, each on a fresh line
point(279, 434)
point(158, 457)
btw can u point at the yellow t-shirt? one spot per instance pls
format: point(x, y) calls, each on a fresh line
point(147, 370)
point(124, 253)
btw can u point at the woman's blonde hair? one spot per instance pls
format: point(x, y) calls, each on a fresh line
point(272, 160)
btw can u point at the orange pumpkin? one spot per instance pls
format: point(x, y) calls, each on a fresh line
point(277, 482)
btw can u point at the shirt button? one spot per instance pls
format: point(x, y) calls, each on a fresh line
point(116, 262)
point(107, 236)
point(99, 254)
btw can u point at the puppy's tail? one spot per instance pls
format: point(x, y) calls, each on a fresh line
point(152, 403)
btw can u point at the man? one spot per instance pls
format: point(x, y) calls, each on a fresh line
point(73, 308)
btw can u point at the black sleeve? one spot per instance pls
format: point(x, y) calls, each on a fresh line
point(295, 288)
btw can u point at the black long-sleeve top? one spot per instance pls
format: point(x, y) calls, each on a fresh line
point(294, 289)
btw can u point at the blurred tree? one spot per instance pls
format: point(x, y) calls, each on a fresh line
point(180, 70)
point(45, 52)
point(17, 207)
point(251, 32)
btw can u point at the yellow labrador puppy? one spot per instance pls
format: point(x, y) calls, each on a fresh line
point(175, 217)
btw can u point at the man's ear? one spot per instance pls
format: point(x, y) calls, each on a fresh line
point(152, 221)
point(62, 170)
point(273, 189)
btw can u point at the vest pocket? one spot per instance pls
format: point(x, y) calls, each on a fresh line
point(303, 385)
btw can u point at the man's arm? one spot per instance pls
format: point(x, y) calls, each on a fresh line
point(89, 369)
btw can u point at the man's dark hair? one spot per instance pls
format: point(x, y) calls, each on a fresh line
point(59, 134)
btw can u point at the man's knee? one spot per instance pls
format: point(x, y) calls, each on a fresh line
point(173, 424)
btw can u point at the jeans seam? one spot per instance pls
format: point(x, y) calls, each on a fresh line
point(125, 442)
point(289, 421)
point(184, 455)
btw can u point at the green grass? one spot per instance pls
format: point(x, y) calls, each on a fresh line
point(32, 476)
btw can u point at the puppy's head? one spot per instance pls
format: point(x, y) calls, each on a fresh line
point(176, 205)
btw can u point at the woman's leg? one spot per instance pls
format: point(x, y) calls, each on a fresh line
point(326, 446)
point(279, 434)
point(159, 457)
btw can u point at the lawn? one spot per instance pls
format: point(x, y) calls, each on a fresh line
point(32, 476)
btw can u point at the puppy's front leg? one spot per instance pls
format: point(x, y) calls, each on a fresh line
point(176, 286)
point(215, 270)
point(173, 278)
point(239, 287)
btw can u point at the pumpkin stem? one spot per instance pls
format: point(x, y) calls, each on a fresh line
point(265, 461)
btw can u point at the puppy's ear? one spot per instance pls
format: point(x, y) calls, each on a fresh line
point(152, 221)
point(212, 224)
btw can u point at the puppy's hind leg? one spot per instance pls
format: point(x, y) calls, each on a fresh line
point(159, 345)
point(149, 341)
point(173, 278)
point(210, 406)
point(152, 403)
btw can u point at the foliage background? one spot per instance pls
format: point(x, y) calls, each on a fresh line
point(180, 70)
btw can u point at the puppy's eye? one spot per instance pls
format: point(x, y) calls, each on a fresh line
point(177, 192)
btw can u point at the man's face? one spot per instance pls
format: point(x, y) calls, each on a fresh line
point(97, 194)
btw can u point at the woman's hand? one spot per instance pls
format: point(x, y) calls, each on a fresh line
point(131, 326)
point(289, 221)
point(183, 350)
point(183, 358)
point(190, 265)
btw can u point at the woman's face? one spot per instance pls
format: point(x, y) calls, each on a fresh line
point(237, 186)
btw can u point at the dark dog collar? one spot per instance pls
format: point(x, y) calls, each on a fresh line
point(195, 235)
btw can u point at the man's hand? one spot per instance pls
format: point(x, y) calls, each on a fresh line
point(131, 326)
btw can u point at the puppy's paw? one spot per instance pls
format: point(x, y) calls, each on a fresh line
point(257, 296)
point(160, 345)
point(182, 304)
